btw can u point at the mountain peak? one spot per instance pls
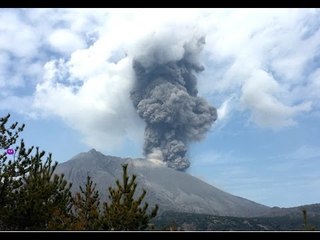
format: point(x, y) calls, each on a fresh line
point(91, 155)
point(93, 151)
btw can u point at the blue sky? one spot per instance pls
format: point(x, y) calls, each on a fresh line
point(66, 74)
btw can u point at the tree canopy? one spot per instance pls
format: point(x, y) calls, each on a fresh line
point(33, 197)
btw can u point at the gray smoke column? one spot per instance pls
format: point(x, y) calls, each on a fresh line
point(165, 97)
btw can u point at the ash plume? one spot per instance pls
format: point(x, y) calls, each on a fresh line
point(165, 97)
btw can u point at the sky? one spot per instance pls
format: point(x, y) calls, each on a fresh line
point(67, 74)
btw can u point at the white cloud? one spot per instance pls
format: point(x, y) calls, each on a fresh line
point(90, 90)
point(66, 41)
point(282, 43)
point(17, 37)
point(259, 94)
point(260, 58)
point(225, 109)
point(100, 108)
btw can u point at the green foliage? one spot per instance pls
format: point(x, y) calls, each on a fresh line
point(29, 192)
point(32, 197)
point(11, 171)
point(124, 212)
point(86, 208)
point(42, 194)
point(9, 135)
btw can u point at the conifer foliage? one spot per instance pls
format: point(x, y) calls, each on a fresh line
point(29, 190)
point(33, 197)
point(124, 211)
point(11, 171)
point(42, 194)
point(86, 208)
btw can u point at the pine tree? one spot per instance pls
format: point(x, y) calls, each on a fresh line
point(42, 195)
point(124, 212)
point(32, 197)
point(86, 208)
point(11, 171)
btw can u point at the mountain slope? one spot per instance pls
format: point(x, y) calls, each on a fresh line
point(171, 189)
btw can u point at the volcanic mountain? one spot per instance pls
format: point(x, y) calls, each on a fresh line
point(172, 190)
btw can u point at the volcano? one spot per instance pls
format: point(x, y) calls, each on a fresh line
point(172, 190)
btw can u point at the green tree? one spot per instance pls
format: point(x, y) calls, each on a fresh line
point(32, 197)
point(11, 171)
point(30, 194)
point(86, 208)
point(43, 194)
point(124, 212)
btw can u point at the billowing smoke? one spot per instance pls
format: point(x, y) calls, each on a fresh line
point(165, 97)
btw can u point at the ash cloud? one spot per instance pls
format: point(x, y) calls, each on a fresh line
point(165, 97)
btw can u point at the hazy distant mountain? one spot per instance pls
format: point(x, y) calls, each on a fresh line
point(206, 222)
point(171, 189)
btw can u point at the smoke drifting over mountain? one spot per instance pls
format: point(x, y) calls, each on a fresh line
point(165, 97)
